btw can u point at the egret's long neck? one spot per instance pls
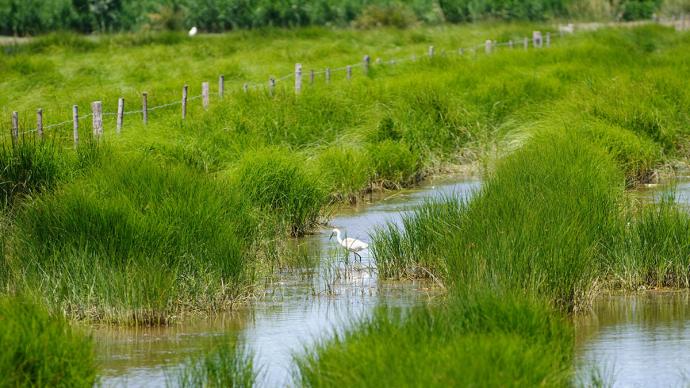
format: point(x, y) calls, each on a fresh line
point(337, 235)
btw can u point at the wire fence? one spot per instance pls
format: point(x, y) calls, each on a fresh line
point(537, 41)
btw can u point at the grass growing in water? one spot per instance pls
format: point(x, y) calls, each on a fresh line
point(474, 339)
point(535, 225)
point(224, 365)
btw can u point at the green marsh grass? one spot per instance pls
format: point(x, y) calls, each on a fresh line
point(652, 249)
point(347, 170)
point(186, 241)
point(276, 181)
point(225, 364)
point(535, 225)
point(548, 228)
point(275, 162)
point(27, 169)
point(42, 350)
point(472, 339)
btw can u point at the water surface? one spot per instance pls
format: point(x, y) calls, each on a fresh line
point(640, 340)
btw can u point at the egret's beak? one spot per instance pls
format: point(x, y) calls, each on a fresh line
point(331, 236)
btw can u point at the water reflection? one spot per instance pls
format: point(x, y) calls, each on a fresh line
point(640, 340)
point(297, 308)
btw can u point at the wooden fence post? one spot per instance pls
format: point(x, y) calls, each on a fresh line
point(348, 70)
point(328, 75)
point(204, 95)
point(221, 86)
point(145, 107)
point(536, 39)
point(75, 125)
point(185, 90)
point(271, 86)
point(487, 46)
point(298, 78)
point(15, 128)
point(39, 122)
point(97, 115)
point(548, 39)
point(525, 43)
point(311, 77)
point(431, 51)
point(365, 64)
point(245, 87)
point(120, 115)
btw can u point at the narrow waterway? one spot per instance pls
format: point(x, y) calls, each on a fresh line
point(298, 306)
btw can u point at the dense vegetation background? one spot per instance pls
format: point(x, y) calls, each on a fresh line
point(26, 17)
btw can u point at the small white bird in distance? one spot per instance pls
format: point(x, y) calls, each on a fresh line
point(351, 244)
point(193, 31)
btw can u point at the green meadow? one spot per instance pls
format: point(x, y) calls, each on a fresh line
point(184, 217)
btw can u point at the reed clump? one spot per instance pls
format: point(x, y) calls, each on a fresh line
point(473, 338)
point(652, 249)
point(276, 181)
point(42, 350)
point(225, 364)
point(183, 238)
point(28, 169)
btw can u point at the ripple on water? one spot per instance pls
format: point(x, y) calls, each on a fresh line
point(640, 340)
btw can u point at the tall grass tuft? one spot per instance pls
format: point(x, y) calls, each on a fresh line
point(347, 170)
point(653, 249)
point(535, 226)
point(149, 241)
point(41, 350)
point(277, 181)
point(27, 169)
point(395, 164)
point(477, 338)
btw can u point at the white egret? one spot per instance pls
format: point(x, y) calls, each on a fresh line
point(193, 31)
point(351, 244)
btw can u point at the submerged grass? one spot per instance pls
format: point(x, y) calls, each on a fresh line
point(223, 365)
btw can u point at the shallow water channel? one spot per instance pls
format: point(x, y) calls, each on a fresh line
point(635, 340)
point(297, 308)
